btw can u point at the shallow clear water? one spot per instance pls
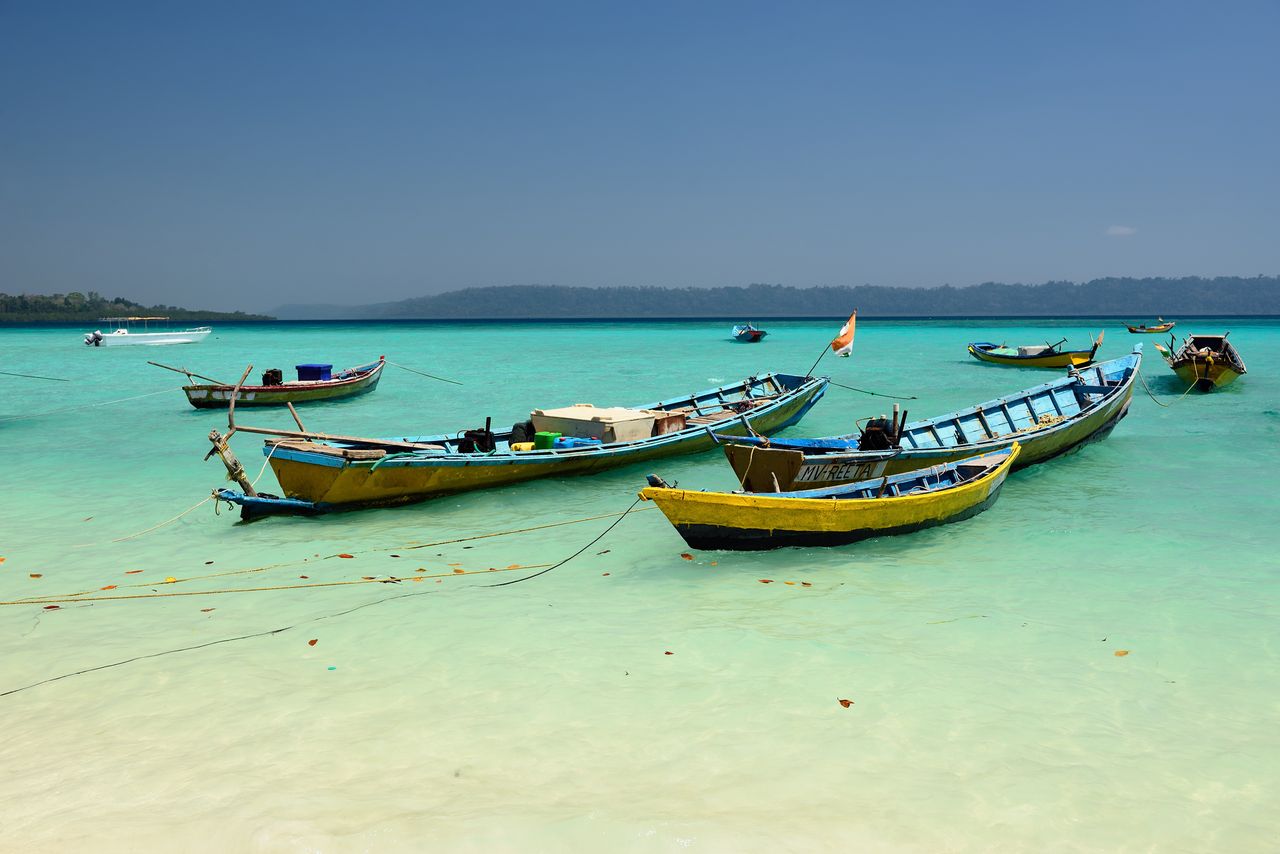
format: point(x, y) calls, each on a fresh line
point(989, 707)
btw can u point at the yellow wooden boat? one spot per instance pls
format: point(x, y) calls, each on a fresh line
point(898, 504)
point(1035, 356)
point(1205, 361)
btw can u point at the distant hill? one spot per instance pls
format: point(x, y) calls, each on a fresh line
point(1136, 298)
point(52, 308)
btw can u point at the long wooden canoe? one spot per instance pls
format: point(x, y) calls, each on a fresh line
point(1205, 361)
point(1035, 356)
point(347, 383)
point(836, 515)
point(1046, 420)
point(318, 476)
point(1143, 329)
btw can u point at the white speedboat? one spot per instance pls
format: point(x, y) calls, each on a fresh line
point(124, 333)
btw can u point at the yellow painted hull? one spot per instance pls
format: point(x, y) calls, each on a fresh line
point(1206, 376)
point(726, 520)
point(340, 484)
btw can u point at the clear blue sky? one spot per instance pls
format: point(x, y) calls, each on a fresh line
point(247, 154)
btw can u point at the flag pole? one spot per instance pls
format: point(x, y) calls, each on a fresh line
point(825, 348)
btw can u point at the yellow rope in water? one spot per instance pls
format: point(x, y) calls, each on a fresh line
point(388, 580)
point(59, 597)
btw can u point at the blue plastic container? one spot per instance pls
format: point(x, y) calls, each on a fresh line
point(575, 442)
point(314, 372)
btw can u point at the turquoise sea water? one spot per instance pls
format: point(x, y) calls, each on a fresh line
point(990, 710)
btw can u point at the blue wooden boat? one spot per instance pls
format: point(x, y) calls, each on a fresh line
point(835, 515)
point(320, 473)
point(1046, 420)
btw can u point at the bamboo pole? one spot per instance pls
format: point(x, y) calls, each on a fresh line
point(189, 374)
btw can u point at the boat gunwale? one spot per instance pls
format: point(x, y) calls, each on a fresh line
point(809, 391)
point(828, 445)
point(361, 372)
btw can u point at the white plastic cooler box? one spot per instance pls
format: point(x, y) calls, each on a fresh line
point(586, 421)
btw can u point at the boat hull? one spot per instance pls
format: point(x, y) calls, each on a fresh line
point(1150, 330)
point(329, 482)
point(1067, 359)
point(219, 396)
point(1031, 420)
point(1205, 376)
point(154, 339)
point(752, 522)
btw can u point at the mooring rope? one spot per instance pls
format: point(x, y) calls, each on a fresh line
point(89, 405)
point(613, 525)
point(422, 373)
point(1154, 398)
point(872, 393)
point(35, 377)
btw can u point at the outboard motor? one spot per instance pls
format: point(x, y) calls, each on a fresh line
point(273, 376)
point(879, 435)
point(93, 339)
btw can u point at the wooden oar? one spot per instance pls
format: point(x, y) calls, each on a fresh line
point(188, 373)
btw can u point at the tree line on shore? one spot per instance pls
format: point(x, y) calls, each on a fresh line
point(88, 307)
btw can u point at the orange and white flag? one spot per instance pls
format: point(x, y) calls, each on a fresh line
point(842, 344)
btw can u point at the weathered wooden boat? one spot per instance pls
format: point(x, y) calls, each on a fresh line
point(1035, 356)
point(314, 383)
point(319, 473)
point(1205, 361)
point(1046, 420)
point(1142, 329)
point(124, 334)
point(748, 333)
point(836, 515)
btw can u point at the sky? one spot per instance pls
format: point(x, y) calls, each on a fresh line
point(242, 155)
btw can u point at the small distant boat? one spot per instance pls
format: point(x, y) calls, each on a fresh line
point(834, 516)
point(1048, 420)
point(748, 333)
point(1143, 329)
point(123, 334)
point(1035, 356)
point(315, 382)
point(1205, 361)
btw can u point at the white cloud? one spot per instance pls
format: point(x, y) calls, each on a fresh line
point(1121, 231)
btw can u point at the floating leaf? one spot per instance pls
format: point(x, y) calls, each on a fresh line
point(459, 572)
point(686, 556)
point(304, 576)
point(313, 641)
point(846, 703)
point(37, 575)
point(605, 552)
point(52, 607)
point(1, 560)
point(367, 577)
point(207, 562)
point(421, 569)
point(715, 563)
point(604, 573)
point(108, 587)
point(766, 581)
point(205, 610)
point(133, 572)
point(792, 583)
point(805, 584)
point(170, 580)
point(668, 652)
point(1120, 652)
point(394, 555)
point(345, 555)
